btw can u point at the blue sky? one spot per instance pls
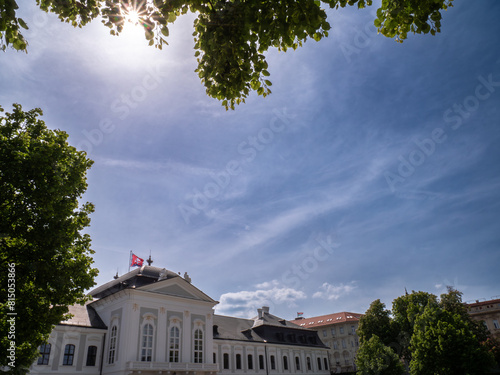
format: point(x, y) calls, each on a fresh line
point(373, 167)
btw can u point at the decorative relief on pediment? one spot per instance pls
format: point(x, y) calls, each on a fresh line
point(198, 323)
point(149, 317)
point(163, 310)
point(186, 313)
point(135, 307)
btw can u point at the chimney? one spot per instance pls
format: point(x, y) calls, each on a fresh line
point(265, 309)
point(259, 312)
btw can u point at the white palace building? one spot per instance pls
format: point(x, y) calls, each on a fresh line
point(153, 321)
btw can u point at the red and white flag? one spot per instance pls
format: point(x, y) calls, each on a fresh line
point(136, 261)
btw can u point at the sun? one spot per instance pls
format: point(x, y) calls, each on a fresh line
point(132, 16)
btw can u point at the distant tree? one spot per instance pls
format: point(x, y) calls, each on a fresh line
point(230, 36)
point(45, 260)
point(375, 358)
point(443, 343)
point(376, 321)
point(431, 335)
point(405, 310)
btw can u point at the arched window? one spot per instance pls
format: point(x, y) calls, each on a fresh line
point(112, 344)
point(147, 343)
point(69, 354)
point(44, 354)
point(273, 363)
point(261, 362)
point(238, 361)
point(297, 363)
point(285, 362)
point(250, 362)
point(91, 355)
point(319, 364)
point(198, 346)
point(226, 361)
point(325, 361)
point(174, 343)
point(308, 360)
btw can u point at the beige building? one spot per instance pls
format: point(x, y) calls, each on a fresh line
point(338, 332)
point(489, 313)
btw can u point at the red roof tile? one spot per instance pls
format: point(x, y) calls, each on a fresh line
point(329, 319)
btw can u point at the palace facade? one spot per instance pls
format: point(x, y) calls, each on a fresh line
point(153, 321)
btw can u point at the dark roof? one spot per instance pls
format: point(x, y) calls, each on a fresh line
point(267, 328)
point(84, 316)
point(229, 328)
point(133, 279)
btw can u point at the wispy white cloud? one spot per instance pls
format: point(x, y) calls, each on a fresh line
point(334, 292)
point(246, 302)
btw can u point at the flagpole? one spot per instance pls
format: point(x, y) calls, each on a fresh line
point(129, 260)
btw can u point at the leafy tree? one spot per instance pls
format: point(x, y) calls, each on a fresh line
point(431, 336)
point(375, 358)
point(376, 321)
point(443, 343)
point(232, 36)
point(45, 260)
point(406, 309)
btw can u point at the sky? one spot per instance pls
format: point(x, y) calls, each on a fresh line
point(373, 166)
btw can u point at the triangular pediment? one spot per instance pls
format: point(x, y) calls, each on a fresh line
point(177, 287)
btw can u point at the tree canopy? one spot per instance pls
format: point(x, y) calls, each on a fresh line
point(427, 334)
point(230, 36)
point(45, 259)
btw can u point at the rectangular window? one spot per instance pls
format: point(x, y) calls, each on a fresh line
point(112, 345)
point(353, 329)
point(91, 355)
point(69, 354)
point(44, 354)
point(333, 331)
point(335, 345)
point(341, 330)
point(495, 324)
point(324, 333)
point(343, 344)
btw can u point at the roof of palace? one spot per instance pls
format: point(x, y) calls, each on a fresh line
point(83, 316)
point(136, 278)
point(264, 328)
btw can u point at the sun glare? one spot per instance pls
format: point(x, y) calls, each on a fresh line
point(132, 16)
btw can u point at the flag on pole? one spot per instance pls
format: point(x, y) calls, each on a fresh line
point(300, 313)
point(136, 261)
